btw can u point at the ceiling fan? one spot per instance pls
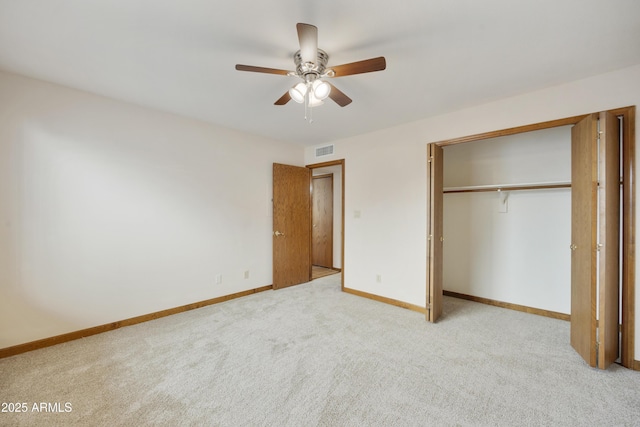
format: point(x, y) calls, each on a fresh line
point(311, 68)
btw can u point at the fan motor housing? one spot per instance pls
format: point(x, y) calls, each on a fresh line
point(310, 71)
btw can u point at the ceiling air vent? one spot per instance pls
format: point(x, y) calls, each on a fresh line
point(324, 151)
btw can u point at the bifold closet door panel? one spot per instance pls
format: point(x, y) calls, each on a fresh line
point(608, 240)
point(595, 229)
point(435, 166)
point(584, 166)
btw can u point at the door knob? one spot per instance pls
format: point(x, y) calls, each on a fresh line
point(278, 234)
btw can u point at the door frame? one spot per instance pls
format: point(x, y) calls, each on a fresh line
point(340, 163)
point(628, 255)
point(313, 197)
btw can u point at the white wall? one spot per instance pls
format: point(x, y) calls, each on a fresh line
point(110, 211)
point(386, 178)
point(519, 256)
point(385, 222)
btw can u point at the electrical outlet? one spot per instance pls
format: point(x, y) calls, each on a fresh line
point(379, 278)
point(219, 279)
point(246, 274)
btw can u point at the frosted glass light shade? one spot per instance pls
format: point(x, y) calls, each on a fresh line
point(313, 101)
point(321, 89)
point(298, 92)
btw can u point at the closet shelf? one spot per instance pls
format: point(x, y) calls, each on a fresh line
point(507, 187)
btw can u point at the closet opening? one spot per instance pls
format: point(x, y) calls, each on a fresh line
point(507, 213)
point(500, 213)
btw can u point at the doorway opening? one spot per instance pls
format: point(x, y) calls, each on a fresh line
point(327, 217)
point(322, 214)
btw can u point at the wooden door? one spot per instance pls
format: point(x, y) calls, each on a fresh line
point(291, 225)
point(608, 240)
point(322, 221)
point(584, 182)
point(595, 215)
point(435, 166)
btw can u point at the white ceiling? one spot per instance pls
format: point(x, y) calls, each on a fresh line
point(442, 55)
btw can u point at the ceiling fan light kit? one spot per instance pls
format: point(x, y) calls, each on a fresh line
point(298, 92)
point(318, 90)
point(321, 89)
point(311, 68)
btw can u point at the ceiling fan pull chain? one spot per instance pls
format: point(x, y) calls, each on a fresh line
point(308, 108)
point(309, 95)
point(306, 102)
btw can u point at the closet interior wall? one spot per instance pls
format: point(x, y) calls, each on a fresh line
point(510, 246)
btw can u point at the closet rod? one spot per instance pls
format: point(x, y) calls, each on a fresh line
point(507, 187)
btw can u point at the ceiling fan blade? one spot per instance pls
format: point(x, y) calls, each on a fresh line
point(338, 96)
point(308, 38)
point(359, 67)
point(241, 67)
point(283, 99)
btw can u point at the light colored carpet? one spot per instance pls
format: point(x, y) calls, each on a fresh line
point(311, 355)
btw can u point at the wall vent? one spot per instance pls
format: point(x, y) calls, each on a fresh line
point(324, 151)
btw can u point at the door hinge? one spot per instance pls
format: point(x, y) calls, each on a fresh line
point(429, 237)
point(429, 159)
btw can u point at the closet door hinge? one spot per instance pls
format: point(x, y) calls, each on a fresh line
point(429, 159)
